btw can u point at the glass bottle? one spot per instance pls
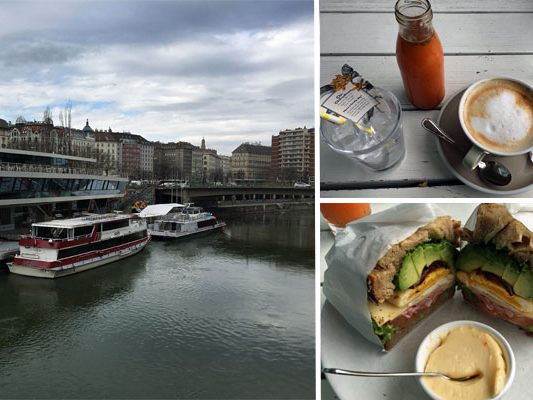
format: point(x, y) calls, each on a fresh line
point(419, 53)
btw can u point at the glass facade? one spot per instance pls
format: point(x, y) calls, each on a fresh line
point(21, 188)
point(34, 159)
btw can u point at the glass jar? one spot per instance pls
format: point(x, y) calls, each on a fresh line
point(419, 54)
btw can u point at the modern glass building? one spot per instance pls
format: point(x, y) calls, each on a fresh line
point(36, 186)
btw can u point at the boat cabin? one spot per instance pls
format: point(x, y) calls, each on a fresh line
point(79, 228)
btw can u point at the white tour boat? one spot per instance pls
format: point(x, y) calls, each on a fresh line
point(67, 246)
point(177, 220)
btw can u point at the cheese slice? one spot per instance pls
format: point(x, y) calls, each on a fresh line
point(481, 285)
point(410, 296)
point(383, 313)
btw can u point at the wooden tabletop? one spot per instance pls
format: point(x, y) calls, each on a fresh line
point(481, 39)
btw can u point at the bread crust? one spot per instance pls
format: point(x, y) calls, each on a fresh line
point(496, 225)
point(380, 279)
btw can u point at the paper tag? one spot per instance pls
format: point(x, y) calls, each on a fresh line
point(350, 103)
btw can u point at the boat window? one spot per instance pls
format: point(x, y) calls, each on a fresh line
point(107, 226)
point(83, 230)
point(43, 231)
point(50, 232)
point(209, 222)
point(100, 245)
point(59, 233)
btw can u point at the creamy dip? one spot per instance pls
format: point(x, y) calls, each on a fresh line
point(467, 351)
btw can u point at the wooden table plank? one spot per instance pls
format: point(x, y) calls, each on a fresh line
point(421, 161)
point(460, 71)
point(375, 33)
point(437, 6)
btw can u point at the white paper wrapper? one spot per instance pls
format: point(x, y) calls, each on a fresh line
point(521, 211)
point(355, 253)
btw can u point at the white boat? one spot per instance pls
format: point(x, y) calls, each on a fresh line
point(68, 246)
point(177, 220)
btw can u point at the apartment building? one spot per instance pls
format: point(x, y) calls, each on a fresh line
point(251, 162)
point(293, 155)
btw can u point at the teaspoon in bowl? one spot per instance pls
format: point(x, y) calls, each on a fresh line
point(339, 371)
point(490, 171)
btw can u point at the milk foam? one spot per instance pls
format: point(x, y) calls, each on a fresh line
point(506, 121)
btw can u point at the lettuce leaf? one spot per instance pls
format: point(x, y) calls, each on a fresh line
point(384, 332)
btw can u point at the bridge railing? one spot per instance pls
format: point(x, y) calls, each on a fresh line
point(269, 185)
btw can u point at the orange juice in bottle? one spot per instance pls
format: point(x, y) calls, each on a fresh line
point(419, 54)
point(339, 214)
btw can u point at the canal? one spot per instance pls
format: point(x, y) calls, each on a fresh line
point(224, 315)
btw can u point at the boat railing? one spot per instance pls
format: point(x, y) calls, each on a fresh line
point(109, 216)
point(182, 217)
point(55, 239)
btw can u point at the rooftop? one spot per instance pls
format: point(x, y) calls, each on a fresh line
point(253, 149)
point(157, 210)
point(82, 221)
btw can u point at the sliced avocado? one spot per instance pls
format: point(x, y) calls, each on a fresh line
point(495, 265)
point(447, 253)
point(432, 253)
point(496, 261)
point(523, 286)
point(471, 257)
point(419, 259)
point(511, 273)
point(408, 274)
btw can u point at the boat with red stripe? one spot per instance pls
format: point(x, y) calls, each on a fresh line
point(68, 246)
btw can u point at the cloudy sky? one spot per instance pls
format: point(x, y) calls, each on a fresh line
point(229, 71)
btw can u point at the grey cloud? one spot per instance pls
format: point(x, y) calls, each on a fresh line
point(20, 53)
point(130, 55)
point(123, 21)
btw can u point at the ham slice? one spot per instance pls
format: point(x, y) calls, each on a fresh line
point(490, 307)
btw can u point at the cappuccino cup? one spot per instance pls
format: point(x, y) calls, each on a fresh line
point(497, 116)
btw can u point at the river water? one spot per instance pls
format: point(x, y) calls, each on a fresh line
point(224, 315)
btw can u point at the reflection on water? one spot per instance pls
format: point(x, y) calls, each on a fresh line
point(229, 314)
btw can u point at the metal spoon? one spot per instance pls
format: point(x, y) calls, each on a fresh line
point(339, 371)
point(490, 171)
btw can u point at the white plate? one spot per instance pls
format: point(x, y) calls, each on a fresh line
point(343, 347)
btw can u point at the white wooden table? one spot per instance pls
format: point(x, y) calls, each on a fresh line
point(481, 39)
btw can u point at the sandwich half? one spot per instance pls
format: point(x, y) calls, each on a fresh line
point(413, 278)
point(495, 270)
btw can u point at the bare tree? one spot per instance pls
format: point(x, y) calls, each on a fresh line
point(68, 122)
point(61, 119)
point(47, 116)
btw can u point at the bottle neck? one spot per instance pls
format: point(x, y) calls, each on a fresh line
point(415, 20)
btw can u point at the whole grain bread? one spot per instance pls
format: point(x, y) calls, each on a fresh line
point(496, 225)
point(380, 279)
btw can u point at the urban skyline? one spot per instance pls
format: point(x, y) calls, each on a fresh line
point(229, 71)
point(289, 158)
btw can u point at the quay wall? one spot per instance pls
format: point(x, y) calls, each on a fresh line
point(270, 207)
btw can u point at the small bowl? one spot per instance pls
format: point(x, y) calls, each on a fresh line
point(432, 341)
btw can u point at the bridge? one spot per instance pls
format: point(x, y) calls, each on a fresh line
point(228, 196)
